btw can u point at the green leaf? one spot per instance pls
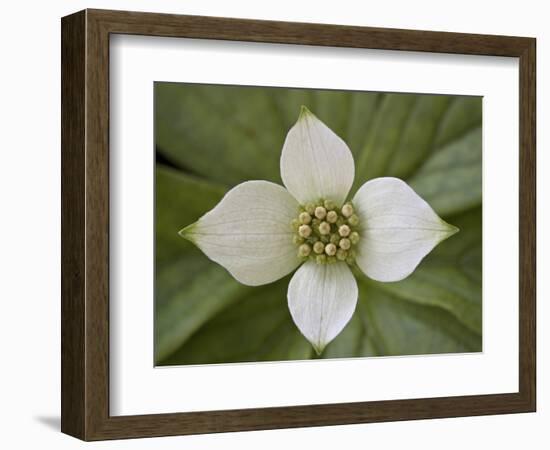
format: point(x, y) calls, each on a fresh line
point(385, 325)
point(256, 328)
point(189, 288)
point(360, 119)
point(463, 115)
point(333, 107)
point(450, 181)
point(188, 294)
point(418, 135)
point(392, 116)
point(225, 133)
point(179, 201)
point(403, 136)
point(433, 142)
point(356, 339)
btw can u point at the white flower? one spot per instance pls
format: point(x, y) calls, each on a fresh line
point(261, 231)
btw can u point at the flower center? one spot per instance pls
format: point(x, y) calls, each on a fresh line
point(326, 233)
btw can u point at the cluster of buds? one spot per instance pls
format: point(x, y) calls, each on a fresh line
point(326, 233)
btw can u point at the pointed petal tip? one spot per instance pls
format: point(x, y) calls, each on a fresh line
point(321, 300)
point(304, 111)
point(187, 231)
point(318, 348)
point(451, 230)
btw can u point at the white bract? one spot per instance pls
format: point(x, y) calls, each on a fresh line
point(261, 231)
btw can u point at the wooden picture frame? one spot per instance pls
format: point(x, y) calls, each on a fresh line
point(85, 224)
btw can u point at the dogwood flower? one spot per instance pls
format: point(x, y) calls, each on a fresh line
point(261, 231)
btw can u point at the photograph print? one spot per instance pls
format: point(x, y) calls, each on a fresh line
point(303, 224)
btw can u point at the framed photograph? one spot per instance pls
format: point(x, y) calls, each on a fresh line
point(273, 225)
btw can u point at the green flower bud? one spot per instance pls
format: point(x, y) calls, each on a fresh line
point(347, 210)
point(320, 212)
point(345, 243)
point(310, 208)
point(304, 218)
point(321, 259)
point(329, 204)
point(312, 239)
point(341, 254)
point(334, 238)
point(344, 231)
point(297, 239)
point(318, 247)
point(324, 228)
point(353, 220)
point(304, 250)
point(330, 249)
point(354, 237)
point(332, 216)
point(304, 231)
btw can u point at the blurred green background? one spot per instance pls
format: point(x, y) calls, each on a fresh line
point(211, 138)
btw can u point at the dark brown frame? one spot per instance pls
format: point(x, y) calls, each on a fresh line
point(85, 224)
